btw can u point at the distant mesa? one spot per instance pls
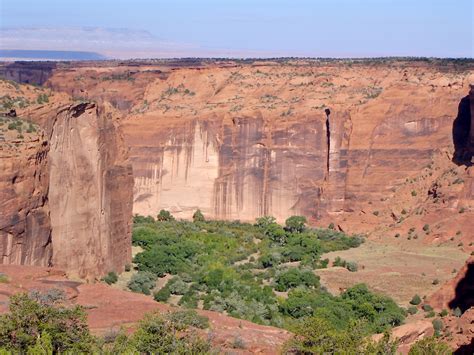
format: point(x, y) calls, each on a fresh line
point(15, 54)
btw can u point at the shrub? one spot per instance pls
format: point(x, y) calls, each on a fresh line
point(295, 224)
point(177, 286)
point(3, 278)
point(435, 282)
point(142, 282)
point(352, 266)
point(295, 277)
point(42, 98)
point(426, 227)
point(413, 193)
point(430, 314)
point(430, 345)
point(331, 226)
point(164, 216)
point(437, 326)
point(128, 267)
point(110, 278)
point(315, 335)
point(188, 318)
point(157, 335)
point(198, 216)
point(457, 312)
point(412, 310)
point(427, 308)
point(416, 300)
point(375, 213)
point(162, 295)
point(443, 313)
point(339, 262)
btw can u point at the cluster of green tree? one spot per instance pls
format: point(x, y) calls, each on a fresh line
point(236, 268)
point(41, 324)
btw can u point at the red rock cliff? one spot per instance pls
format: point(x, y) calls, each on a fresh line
point(90, 193)
point(66, 188)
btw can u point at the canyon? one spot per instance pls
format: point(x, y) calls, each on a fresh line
point(240, 140)
point(378, 147)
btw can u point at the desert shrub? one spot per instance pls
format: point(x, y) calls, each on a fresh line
point(430, 314)
point(189, 299)
point(42, 98)
point(437, 326)
point(187, 318)
point(412, 310)
point(269, 260)
point(198, 216)
point(177, 286)
point(295, 224)
point(3, 278)
point(435, 282)
point(339, 262)
point(457, 312)
point(142, 282)
point(162, 295)
point(158, 335)
point(110, 278)
point(164, 216)
point(430, 345)
point(426, 227)
point(128, 267)
point(31, 324)
point(416, 300)
point(352, 266)
point(414, 193)
point(427, 308)
point(295, 277)
point(443, 313)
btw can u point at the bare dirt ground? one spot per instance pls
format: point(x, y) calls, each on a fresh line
point(397, 270)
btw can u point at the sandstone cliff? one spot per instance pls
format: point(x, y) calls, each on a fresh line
point(25, 228)
point(90, 193)
point(66, 186)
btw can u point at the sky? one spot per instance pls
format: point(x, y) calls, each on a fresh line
point(315, 28)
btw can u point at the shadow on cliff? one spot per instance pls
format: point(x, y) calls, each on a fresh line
point(464, 299)
point(461, 128)
point(464, 292)
point(467, 349)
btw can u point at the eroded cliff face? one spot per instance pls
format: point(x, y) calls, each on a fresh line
point(248, 141)
point(65, 184)
point(25, 228)
point(90, 193)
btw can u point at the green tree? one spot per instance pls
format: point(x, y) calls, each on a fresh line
point(165, 216)
point(296, 224)
point(31, 325)
point(198, 216)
